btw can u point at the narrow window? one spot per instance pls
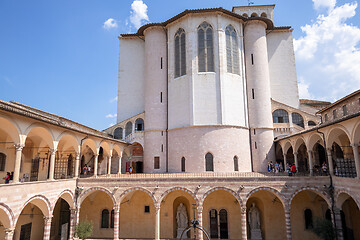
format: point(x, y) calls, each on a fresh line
point(183, 164)
point(112, 219)
point(180, 53)
point(209, 165)
point(162, 147)
point(147, 209)
point(308, 219)
point(156, 162)
point(254, 132)
point(161, 97)
point(161, 63)
point(236, 164)
point(344, 110)
point(252, 59)
point(253, 93)
point(326, 118)
point(2, 161)
point(232, 50)
point(255, 145)
point(334, 114)
point(105, 218)
point(205, 48)
point(162, 133)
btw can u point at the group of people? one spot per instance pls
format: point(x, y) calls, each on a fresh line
point(86, 169)
point(9, 177)
point(278, 167)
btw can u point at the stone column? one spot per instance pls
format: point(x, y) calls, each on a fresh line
point(355, 148)
point(52, 163)
point(19, 148)
point(243, 224)
point(47, 228)
point(285, 162)
point(96, 165)
point(9, 233)
point(157, 221)
point(296, 161)
point(116, 221)
point(338, 222)
point(72, 223)
point(200, 219)
point(288, 225)
point(310, 162)
point(120, 157)
point(109, 165)
point(77, 164)
point(330, 161)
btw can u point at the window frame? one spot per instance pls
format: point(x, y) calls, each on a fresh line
point(209, 162)
point(232, 50)
point(207, 57)
point(105, 214)
point(180, 53)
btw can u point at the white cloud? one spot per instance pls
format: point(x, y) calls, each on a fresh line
point(328, 56)
point(304, 89)
point(111, 115)
point(113, 99)
point(110, 23)
point(330, 4)
point(138, 13)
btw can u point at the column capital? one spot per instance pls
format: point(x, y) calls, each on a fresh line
point(77, 155)
point(96, 155)
point(329, 149)
point(9, 231)
point(354, 145)
point(243, 210)
point(52, 151)
point(116, 208)
point(19, 146)
point(309, 151)
point(295, 153)
point(48, 219)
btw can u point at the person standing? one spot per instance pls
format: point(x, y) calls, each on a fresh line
point(7, 178)
point(293, 169)
point(85, 169)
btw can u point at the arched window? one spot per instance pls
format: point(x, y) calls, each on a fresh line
point(236, 164)
point(254, 15)
point(280, 116)
point(112, 219)
point(105, 218)
point(232, 50)
point(118, 133)
point(180, 53)
point(128, 129)
point(311, 123)
point(2, 161)
point(245, 15)
point(209, 162)
point(308, 219)
point(139, 124)
point(297, 119)
point(264, 15)
point(183, 164)
point(205, 48)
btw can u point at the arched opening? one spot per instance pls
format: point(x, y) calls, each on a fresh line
point(139, 124)
point(306, 206)
point(92, 210)
point(88, 151)
point(221, 215)
point(264, 15)
point(319, 159)
point(103, 158)
point(5, 222)
point(135, 162)
point(65, 157)
point(137, 216)
point(209, 162)
point(350, 216)
point(128, 128)
point(303, 164)
point(118, 133)
point(60, 224)
point(289, 158)
point(280, 116)
point(245, 15)
point(311, 123)
point(254, 15)
point(297, 119)
point(279, 162)
point(115, 162)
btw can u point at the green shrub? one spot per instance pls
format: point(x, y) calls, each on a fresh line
point(324, 229)
point(83, 230)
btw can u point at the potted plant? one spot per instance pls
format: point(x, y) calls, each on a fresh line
point(83, 230)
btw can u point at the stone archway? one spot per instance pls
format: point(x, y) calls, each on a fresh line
point(350, 216)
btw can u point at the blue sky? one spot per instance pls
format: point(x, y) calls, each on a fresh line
point(62, 56)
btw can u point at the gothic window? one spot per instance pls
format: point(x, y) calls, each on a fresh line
point(180, 53)
point(297, 119)
point(128, 129)
point(183, 164)
point(139, 124)
point(205, 48)
point(280, 116)
point(112, 219)
point(209, 159)
point(118, 133)
point(105, 218)
point(308, 219)
point(236, 164)
point(232, 50)
point(2, 161)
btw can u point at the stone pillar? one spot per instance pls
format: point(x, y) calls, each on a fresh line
point(47, 228)
point(296, 161)
point(285, 162)
point(72, 223)
point(9, 233)
point(157, 222)
point(338, 223)
point(19, 148)
point(96, 165)
point(116, 222)
point(330, 161)
point(355, 148)
point(243, 224)
point(199, 210)
point(52, 163)
point(77, 165)
point(288, 225)
point(120, 157)
point(109, 165)
point(310, 162)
